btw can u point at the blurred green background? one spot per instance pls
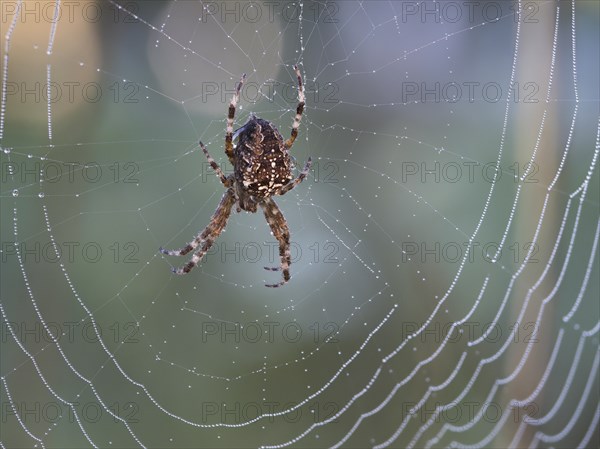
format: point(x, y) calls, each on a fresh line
point(401, 236)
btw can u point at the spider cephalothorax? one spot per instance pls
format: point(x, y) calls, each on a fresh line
point(262, 167)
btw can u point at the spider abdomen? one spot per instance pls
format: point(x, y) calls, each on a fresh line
point(263, 163)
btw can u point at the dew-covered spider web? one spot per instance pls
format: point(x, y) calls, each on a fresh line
point(445, 268)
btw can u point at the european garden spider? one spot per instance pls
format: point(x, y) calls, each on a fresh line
point(262, 168)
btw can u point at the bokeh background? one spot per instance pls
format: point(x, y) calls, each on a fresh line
point(444, 284)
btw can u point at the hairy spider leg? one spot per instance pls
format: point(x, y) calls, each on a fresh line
point(299, 110)
point(230, 117)
point(281, 232)
point(208, 235)
point(226, 182)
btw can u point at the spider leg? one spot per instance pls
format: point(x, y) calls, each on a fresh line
point(208, 235)
point(281, 232)
point(230, 117)
point(299, 110)
point(215, 166)
point(286, 188)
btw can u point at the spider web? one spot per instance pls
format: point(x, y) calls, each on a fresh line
point(445, 244)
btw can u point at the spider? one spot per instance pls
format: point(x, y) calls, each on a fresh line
point(262, 168)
